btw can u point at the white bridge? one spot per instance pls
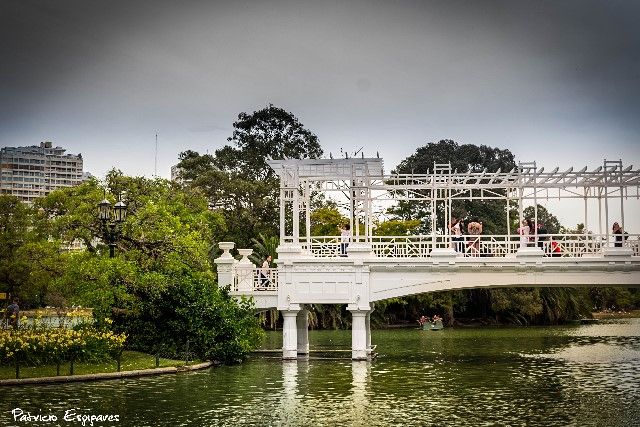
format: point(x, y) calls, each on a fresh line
point(314, 269)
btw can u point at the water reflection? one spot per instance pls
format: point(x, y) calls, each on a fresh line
point(289, 402)
point(360, 377)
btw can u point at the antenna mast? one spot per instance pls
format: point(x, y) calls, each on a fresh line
point(155, 167)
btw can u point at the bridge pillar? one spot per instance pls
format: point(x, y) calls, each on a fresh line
point(302, 322)
point(290, 333)
point(359, 348)
point(225, 265)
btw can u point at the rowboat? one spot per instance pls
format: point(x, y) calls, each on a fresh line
point(433, 326)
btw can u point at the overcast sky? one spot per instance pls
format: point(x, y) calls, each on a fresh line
point(553, 81)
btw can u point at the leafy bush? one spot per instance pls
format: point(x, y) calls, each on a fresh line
point(192, 312)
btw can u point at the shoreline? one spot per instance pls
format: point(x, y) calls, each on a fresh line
point(481, 322)
point(616, 314)
point(106, 375)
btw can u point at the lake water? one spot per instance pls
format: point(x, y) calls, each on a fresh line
point(562, 376)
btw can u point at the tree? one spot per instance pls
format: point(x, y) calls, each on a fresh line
point(237, 179)
point(327, 221)
point(550, 221)
point(195, 314)
point(463, 158)
point(16, 231)
point(70, 214)
point(271, 132)
point(396, 227)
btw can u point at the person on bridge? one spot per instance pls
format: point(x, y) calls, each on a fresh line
point(264, 272)
point(524, 231)
point(345, 237)
point(617, 231)
point(475, 229)
point(455, 228)
point(542, 231)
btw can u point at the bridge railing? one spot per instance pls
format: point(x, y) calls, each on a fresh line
point(484, 245)
point(255, 279)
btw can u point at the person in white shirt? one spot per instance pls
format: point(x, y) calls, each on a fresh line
point(524, 232)
point(345, 238)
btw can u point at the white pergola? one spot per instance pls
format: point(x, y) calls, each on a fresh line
point(363, 182)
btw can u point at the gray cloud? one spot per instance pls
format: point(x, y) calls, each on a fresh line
point(556, 81)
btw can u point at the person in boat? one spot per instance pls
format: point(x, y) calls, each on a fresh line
point(423, 320)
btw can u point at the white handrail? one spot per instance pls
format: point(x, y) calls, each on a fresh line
point(265, 279)
point(483, 245)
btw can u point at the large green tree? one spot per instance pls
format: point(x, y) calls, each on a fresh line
point(237, 179)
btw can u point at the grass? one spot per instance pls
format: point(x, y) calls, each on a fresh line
point(130, 361)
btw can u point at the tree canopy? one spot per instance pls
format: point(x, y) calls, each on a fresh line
point(237, 179)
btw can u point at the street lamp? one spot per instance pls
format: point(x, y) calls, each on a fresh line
point(111, 218)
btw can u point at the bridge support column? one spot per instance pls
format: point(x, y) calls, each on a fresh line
point(290, 334)
point(302, 322)
point(359, 348)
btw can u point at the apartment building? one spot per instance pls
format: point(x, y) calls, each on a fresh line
point(35, 171)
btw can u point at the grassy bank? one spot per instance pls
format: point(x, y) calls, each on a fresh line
point(130, 361)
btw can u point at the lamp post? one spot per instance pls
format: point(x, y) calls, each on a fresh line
point(111, 218)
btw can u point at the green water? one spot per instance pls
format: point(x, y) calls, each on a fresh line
point(560, 376)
